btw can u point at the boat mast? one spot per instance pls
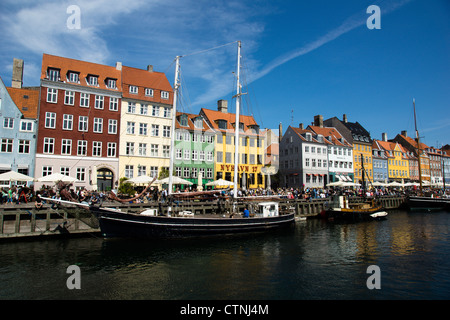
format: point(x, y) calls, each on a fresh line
point(418, 146)
point(237, 126)
point(176, 84)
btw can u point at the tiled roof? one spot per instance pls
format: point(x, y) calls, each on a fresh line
point(84, 69)
point(213, 116)
point(190, 122)
point(26, 99)
point(146, 79)
point(336, 137)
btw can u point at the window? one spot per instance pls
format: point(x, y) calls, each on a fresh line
point(83, 123)
point(144, 109)
point(111, 150)
point(149, 92)
point(201, 155)
point(129, 149)
point(166, 131)
point(142, 170)
point(64, 171)
point(130, 127)
point(186, 172)
point(93, 80)
point(49, 144)
point(142, 149)
point(66, 146)
point(129, 171)
point(154, 150)
point(219, 156)
point(8, 123)
point(73, 77)
point(209, 156)
point(209, 173)
point(167, 112)
point(153, 171)
point(222, 124)
point(112, 126)
point(178, 171)
point(194, 155)
point(99, 102)
point(53, 74)
point(155, 130)
point(98, 125)
point(142, 129)
point(113, 104)
point(131, 107)
point(133, 89)
point(24, 146)
point(97, 149)
point(178, 154)
point(111, 83)
point(194, 172)
point(164, 95)
point(81, 174)
point(69, 98)
point(187, 154)
point(84, 100)
point(67, 122)
point(166, 151)
point(50, 120)
point(52, 95)
point(47, 170)
point(184, 120)
point(82, 147)
point(26, 125)
point(155, 111)
point(7, 145)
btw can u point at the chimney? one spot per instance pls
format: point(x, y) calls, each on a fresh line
point(150, 68)
point(280, 132)
point(222, 106)
point(119, 66)
point(301, 126)
point(384, 136)
point(17, 75)
point(404, 133)
point(318, 121)
point(344, 118)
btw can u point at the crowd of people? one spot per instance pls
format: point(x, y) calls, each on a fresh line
point(18, 194)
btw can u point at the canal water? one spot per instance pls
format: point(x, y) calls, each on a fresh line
point(313, 260)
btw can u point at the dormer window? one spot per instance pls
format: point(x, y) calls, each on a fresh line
point(164, 95)
point(111, 83)
point(73, 77)
point(254, 128)
point(198, 122)
point(92, 80)
point(184, 120)
point(222, 124)
point(149, 92)
point(133, 89)
point(308, 136)
point(53, 74)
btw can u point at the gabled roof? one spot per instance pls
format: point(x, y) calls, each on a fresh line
point(359, 134)
point(191, 117)
point(84, 69)
point(391, 146)
point(26, 99)
point(213, 116)
point(336, 137)
point(146, 79)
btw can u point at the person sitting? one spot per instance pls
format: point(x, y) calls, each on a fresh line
point(38, 201)
point(246, 213)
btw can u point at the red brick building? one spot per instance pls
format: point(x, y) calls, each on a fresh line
point(79, 122)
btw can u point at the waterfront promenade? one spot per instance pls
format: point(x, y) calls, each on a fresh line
point(24, 220)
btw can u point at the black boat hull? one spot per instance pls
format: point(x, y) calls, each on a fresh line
point(113, 224)
point(427, 203)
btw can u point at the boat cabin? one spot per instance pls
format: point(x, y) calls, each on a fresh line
point(266, 209)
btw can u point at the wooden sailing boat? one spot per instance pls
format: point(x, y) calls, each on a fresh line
point(115, 223)
point(424, 201)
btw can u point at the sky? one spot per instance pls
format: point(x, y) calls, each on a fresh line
point(299, 58)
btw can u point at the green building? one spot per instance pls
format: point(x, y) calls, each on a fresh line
point(194, 150)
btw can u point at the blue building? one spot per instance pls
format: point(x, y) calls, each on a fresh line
point(380, 163)
point(18, 127)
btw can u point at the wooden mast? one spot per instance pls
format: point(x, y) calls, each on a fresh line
point(174, 115)
point(237, 126)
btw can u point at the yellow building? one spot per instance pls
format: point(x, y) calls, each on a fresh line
point(398, 161)
point(251, 146)
point(362, 156)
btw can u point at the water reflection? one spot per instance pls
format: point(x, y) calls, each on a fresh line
point(315, 260)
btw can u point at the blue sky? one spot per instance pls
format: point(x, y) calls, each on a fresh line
point(301, 58)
